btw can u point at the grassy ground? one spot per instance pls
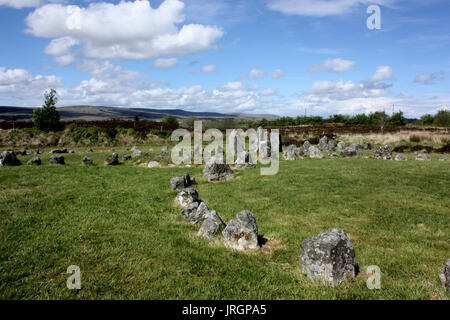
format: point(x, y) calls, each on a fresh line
point(120, 226)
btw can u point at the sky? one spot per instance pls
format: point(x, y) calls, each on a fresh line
point(283, 57)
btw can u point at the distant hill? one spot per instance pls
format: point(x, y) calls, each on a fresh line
point(94, 113)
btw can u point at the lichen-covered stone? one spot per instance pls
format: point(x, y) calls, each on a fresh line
point(211, 225)
point(186, 197)
point(241, 233)
point(445, 277)
point(216, 170)
point(328, 257)
point(383, 152)
point(195, 213)
point(180, 183)
point(314, 152)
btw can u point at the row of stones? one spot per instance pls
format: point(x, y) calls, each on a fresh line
point(240, 233)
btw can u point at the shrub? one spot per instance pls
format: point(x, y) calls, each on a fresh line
point(442, 118)
point(47, 118)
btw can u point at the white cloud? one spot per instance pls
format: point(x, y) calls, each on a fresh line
point(256, 74)
point(21, 84)
point(277, 74)
point(337, 65)
point(268, 92)
point(163, 63)
point(425, 78)
point(209, 69)
point(94, 67)
point(234, 85)
point(321, 8)
point(19, 4)
point(127, 30)
point(383, 73)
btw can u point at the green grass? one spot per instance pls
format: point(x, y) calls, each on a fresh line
point(120, 226)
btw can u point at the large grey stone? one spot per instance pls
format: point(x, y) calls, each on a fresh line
point(35, 161)
point(57, 159)
point(341, 146)
point(211, 225)
point(8, 158)
point(180, 183)
point(195, 213)
point(326, 145)
point(383, 152)
point(314, 152)
point(186, 197)
point(445, 277)
point(241, 233)
point(328, 257)
point(289, 153)
point(214, 170)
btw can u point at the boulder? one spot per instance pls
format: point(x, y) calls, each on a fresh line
point(136, 153)
point(423, 157)
point(314, 152)
point(401, 157)
point(22, 152)
point(341, 146)
point(112, 160)
point(87, 160)
point(211, 225)
point(8, 158)
point(445, 277)
point(241, 233)
point(367, 146)
point(180, 183)
point(214, 170)
point(57, 160)
point(35, 161)
point(328, 257)
point(289, 152)
point(186, 197)
point(153, 164)
point(126, 157)
point(349, 152)
point(195, 213)
point(244, 160)
point(326, 145)
point(383, 152)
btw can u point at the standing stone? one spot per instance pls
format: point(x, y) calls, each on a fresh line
point(8, 158)
point(305, 147)
point(216, 171)
point(179, 183)
point(341, 146)
point(87, 160)
point(401, 157)
point(35, 161)
point(329, 257)
point(423, 157)
point(57, 160)
point(445, 277)
point(241, 233)
point(349, 152)
point(314, 152)
point(289, 152)
point(195, 213)
point(186, 197)
point(326, 145)
point(113, 159)
point(383, 152)
point(211, 225)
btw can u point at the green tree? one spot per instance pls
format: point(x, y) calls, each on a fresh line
point(442, 118)
point(397, 119)
point(426, 120)
point(47, 118)
point(171, 120)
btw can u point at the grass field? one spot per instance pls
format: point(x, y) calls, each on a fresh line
point(119, 224)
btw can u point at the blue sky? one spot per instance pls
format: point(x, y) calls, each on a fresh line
point(257, 56)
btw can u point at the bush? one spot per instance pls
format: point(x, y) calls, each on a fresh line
point(47, 118)
point(171, 120)
point(442, 118)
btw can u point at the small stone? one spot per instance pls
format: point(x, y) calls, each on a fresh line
point(57, 160)
point(401, 157)
point(186, 197)
point(126, 157)
point(113, 159)
point(87, 160)
point(153, 164)
point(89, 150)
point(179, 183)
point(423, 157)
point(71, 151)
point(36, 161)
point(216, 170)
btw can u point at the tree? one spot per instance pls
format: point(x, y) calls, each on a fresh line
point(426, 120)
point(171, 120)
point(397, 119)
point(47, 118)
point(442, 118)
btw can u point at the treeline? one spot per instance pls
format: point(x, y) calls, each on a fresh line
point(441, 119)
